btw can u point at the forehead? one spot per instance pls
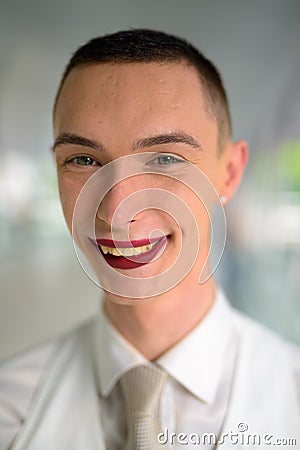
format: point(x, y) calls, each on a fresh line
point(135, 96)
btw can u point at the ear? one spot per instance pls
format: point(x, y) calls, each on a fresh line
point(235, 160)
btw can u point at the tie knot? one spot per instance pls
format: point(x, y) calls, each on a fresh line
point(142, 387)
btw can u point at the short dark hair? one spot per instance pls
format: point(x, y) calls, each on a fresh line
point(146, 46)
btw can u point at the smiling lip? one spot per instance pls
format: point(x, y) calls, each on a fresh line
point(131, 262)
point(126, 244)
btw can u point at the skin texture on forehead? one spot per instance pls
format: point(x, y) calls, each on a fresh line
point(133, 96)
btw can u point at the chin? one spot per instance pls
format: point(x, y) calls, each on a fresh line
point(119, 300)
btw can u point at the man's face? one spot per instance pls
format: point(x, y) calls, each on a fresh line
point(116, 109)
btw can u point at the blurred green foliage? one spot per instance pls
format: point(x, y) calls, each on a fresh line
point(279, 168)
point(288, 163)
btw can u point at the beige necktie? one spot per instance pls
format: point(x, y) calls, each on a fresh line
point(142, 388)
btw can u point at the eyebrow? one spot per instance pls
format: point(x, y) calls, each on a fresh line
point(168, 138)
point(75, 139)
point(160, 139)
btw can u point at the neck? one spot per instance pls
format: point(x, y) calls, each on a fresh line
point(157, 325)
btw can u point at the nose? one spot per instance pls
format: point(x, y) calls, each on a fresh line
point(116, 207)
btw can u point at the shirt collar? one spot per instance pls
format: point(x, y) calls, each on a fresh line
point(196, 361)
point(113, 354)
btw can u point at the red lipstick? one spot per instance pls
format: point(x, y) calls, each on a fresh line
point(131, 262)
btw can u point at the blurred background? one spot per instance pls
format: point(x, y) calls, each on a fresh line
point(256, 46)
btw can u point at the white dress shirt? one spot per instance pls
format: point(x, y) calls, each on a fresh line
point(19, 378)
point(200, 371)
point(65, 394)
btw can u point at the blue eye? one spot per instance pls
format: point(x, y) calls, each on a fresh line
point(166, 160)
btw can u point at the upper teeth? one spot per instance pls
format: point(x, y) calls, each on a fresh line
point(132, 251)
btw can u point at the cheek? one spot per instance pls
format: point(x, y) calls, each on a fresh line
point(199, 209)
point(214, 172)
point(184, 197)
point(68, 191)
point(198, 205)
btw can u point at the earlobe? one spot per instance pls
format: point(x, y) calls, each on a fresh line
point(235, 166)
